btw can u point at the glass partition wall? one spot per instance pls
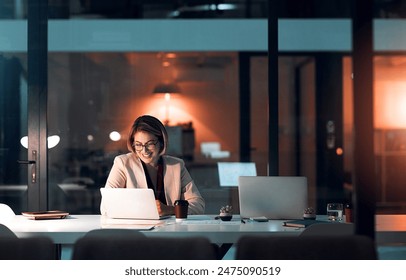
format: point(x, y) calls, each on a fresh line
point(13, 108)
point(13, 124)
point(100, 80)
point(390, 133)
point(95, 97)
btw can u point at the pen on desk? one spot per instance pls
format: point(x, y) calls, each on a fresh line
point(242, 221)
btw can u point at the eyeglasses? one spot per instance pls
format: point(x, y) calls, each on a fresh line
point(149, 145)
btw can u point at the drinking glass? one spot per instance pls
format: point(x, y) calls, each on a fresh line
point(335, 211)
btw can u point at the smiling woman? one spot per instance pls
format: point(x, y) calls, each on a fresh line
point(147, 166)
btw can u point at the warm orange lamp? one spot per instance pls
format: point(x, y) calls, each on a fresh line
point(167, 89)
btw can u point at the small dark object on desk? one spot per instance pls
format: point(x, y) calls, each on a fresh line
point(309, 214)
point(181, 208)
point(259, 219)
point(309, 218)
point(226, 213)
point(226, 218)
point(302, 223)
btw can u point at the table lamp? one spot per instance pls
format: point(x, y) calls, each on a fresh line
point(167, 89)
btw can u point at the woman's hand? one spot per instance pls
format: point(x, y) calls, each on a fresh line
point(163, 209)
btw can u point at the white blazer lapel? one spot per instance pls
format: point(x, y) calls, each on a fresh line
point(140, 174)
point(172, 190)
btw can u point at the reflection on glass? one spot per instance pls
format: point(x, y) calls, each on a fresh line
point(94, 96)
point(13, 125)
point(390, 132)
point(52, 141)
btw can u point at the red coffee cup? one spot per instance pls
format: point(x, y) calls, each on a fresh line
point(181, 209)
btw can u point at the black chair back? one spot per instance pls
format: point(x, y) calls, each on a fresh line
point(28, 248)
point(127, 247)
point(329, 229)
point(347, 247)
point(6, 232)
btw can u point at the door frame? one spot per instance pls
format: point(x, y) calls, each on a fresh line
point(37, 80)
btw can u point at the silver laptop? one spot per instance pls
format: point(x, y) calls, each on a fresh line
point(123, 203)
point(273, 197)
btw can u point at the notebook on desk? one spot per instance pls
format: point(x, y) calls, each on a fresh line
point(273, 197)
point(123, 203)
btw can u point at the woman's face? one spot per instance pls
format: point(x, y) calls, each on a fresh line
point(147, 147)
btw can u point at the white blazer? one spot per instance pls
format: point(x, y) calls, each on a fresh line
point(128, 172)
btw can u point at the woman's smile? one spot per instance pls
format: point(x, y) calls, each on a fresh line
point(147, 147)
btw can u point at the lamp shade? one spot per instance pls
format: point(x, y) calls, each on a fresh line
point(167, 88)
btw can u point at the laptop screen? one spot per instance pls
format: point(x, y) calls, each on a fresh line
point(230, 171)
point(129, 203)
point(273, 197)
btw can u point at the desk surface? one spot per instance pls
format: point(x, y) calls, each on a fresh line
point(67, 231)
point(389, 228)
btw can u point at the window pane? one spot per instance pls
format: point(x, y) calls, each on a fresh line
point(390, 132)
point(13, 108)
point(146, 9)
point(92, 95)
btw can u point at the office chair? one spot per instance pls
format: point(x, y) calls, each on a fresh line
point(328, 229)
point(28, 248)
point(6, 232)
point(346, 247)
point(127, 247)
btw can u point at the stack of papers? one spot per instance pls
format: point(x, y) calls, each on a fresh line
point(130, 223)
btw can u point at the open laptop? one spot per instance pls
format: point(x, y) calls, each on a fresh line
point(272, 197)
point(123, 203)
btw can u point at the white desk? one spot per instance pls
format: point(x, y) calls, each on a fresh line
point(67, 231)
point(389, 228)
